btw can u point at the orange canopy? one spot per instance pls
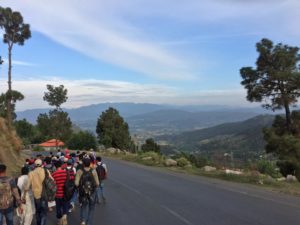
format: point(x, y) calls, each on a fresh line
point(52, 143)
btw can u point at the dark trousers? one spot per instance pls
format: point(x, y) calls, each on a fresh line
point(61, 207)
point(41, 207)
point(8, 214)
point(87, 210)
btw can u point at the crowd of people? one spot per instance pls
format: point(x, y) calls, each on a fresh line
point(59, 181)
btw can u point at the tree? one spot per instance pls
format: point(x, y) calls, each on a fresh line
point(276, 78)
point(112, 130)
point(16, 96)
point(150, 146)
point(56, 96)
point(2, 22)
point(82, 140)
point(26, 131)
point(15, 32)
point(285, 144)
point(56, 124)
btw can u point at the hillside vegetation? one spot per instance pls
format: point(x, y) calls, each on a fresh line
point(10, 146)
point(244, 139)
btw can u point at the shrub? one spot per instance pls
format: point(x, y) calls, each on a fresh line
point(37, 149)
point(150, 146)
point(155, 158)
point(266, 167)
point(198, 161)
point(182, 162)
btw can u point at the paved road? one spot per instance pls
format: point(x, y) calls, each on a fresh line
point(147, 196)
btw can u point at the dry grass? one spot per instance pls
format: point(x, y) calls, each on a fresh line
point(10, 146)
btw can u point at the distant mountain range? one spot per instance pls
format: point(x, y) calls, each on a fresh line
point(92, 112)
point(244, 139)
point(176, 121)
point(154, 119)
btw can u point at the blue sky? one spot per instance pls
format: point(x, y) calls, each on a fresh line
point(171, 51)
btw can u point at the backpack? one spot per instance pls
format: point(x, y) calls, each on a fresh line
point(101, 172)
point(87, 186)
point(6, 196)
point(49, 188)
point(69, 187)
point(79, 166)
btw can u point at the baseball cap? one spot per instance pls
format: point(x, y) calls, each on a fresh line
point(38, 162)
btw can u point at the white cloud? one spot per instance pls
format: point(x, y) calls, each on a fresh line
point(86, 92)
point(85, 29)
point(117, 31)
point(19, 63)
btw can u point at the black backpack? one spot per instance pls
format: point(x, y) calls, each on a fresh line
point(69, 187)
point(101, 172)
point(87, 186)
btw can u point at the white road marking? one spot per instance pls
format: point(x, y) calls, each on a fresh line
point(176, 215)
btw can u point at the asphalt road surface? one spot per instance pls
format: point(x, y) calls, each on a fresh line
point(138, 195)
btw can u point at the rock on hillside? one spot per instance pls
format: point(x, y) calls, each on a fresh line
point(10, 146)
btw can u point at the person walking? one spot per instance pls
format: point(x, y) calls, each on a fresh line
point(101, 169)
point(62, 205)
point(87, 182)
point(36, 178)
point(72, 170)
point(27, 197)
point(8, 190)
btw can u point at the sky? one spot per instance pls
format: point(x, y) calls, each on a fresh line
point(144, 51)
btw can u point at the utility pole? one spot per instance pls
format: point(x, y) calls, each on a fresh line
point(231, 158)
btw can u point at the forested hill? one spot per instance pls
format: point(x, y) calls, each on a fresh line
point(244, 138)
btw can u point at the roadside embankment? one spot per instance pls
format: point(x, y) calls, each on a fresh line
point(182, 165)
point(10, 146)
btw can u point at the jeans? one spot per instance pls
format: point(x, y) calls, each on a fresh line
point(74, 197)
point(100, 194)
point(8, 214)
point(62, 207)
point(87, 210)
point(41, 207)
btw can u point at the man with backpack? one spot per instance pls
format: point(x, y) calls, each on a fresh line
point(63, 179)
point(101, 169)
point(8, 191)
point(37, 179)
point(87, 182)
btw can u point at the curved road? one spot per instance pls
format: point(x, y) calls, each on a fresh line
point(144, 196)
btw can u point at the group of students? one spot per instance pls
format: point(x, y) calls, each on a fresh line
point(59, 180)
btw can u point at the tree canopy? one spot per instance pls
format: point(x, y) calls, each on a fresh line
point(15, 30)
point(26, 131)
point(276, 78)
point(15, 96)
point(82, 140)
point(55, 124)
point(150, 146)
point(276, 82)
point(112, 130)
point(56, 96)
point(285, 144)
